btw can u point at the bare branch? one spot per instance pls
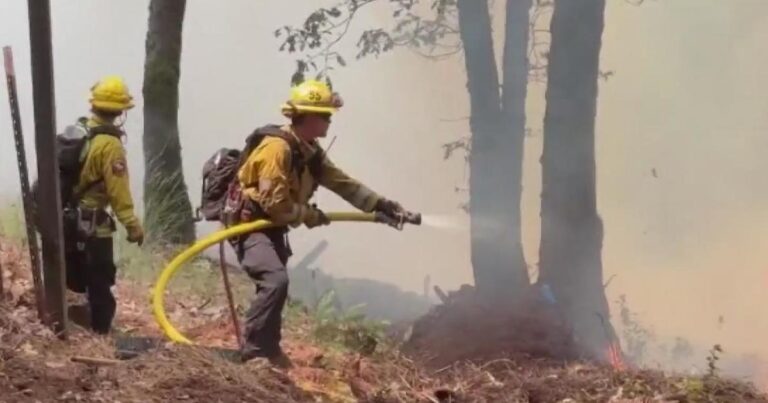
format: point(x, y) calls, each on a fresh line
point(433, 35)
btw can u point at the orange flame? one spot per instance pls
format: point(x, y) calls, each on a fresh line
point(615, 356)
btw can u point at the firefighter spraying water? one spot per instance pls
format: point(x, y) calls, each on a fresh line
point(262, 191)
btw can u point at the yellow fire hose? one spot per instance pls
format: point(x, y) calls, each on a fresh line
point(170, 270)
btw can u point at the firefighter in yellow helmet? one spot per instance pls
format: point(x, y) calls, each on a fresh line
point(278, 177)
point(103, 183)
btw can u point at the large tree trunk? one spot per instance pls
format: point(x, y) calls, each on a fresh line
point(168, 212)
point(497, 259)
point(572, 231)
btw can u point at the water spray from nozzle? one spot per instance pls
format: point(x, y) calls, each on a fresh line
point(446, 222)
point(437, 221)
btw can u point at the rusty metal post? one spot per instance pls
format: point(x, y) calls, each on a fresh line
point(26, 195)
point(47, 164)
point(2, 289)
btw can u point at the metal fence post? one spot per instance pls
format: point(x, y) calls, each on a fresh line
point(26, 196)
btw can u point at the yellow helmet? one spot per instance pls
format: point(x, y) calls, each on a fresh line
point(111, 94)
point(311, 96)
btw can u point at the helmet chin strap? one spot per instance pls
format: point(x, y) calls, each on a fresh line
point(120, 120)
point(119, 123)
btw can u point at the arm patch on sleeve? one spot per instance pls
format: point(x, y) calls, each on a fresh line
point(119, 167)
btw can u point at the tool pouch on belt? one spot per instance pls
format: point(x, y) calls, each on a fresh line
point(92, 219)
point(233, 206)
point(246, 210)
point(73, 241)
point(81, 224)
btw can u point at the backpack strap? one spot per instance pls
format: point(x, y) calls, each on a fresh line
point(298, 161)
point(315, 165)
point(109, 130)
point(297, 157)
point(254, 139)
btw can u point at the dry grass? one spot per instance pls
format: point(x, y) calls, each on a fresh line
point(35, 366)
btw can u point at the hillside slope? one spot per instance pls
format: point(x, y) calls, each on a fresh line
point(331, 354)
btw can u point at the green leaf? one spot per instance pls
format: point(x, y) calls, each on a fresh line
point(297, 78)
point(356, 308)
point(325, 307)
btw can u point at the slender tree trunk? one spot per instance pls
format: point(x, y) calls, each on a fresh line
point(168, 211)
point(572, 231)
point(497, 260)
point(514, 93)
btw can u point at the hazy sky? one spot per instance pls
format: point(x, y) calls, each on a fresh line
point(686, 100)
point(233, 79)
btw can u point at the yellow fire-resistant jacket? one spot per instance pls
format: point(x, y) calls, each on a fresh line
point(284, 194)
point(106, 159)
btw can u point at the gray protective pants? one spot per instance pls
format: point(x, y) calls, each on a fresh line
point(263, 256)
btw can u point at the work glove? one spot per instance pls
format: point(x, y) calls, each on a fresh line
point(135, 234)
point(390, 208)
point(314, 217)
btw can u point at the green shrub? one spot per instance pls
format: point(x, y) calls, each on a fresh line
point(349, 329)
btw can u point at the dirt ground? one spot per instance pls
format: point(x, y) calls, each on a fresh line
point(528, 327)
point(452, 355)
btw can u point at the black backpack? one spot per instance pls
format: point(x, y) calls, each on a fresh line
point(220, 171)
point(71, 156)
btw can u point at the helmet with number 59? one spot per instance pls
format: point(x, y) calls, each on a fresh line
point(311, 96)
